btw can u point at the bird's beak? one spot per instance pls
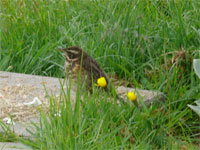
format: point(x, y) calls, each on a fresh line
point(61, 49)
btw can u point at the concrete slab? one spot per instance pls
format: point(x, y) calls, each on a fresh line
point(16, 89)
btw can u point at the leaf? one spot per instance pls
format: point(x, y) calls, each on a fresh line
point(198, 102)
point(195, 109)
point(196, 65)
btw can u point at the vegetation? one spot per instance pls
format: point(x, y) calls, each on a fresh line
point(196, 65)
point(149, 43)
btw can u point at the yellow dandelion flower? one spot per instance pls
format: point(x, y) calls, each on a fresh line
point(101, 82)
point(131, 96)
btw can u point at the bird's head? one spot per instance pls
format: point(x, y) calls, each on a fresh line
point(73, 54)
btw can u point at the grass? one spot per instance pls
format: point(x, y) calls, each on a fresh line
point(149, 43)
point(102, 124)
point(6, 134)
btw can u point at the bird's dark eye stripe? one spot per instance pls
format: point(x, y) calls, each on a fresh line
point(71, 55)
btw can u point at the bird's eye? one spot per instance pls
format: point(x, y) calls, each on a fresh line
point(72, 55)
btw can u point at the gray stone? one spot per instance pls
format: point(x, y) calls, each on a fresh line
point(16, 89)
point(22, 128)
point(148, 97)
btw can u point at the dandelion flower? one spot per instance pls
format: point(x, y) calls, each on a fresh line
point(131, 96)
point(101, 82)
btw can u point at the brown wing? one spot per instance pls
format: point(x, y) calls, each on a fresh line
point(93, 68)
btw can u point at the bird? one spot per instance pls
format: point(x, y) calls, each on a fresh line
point(81, 66)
